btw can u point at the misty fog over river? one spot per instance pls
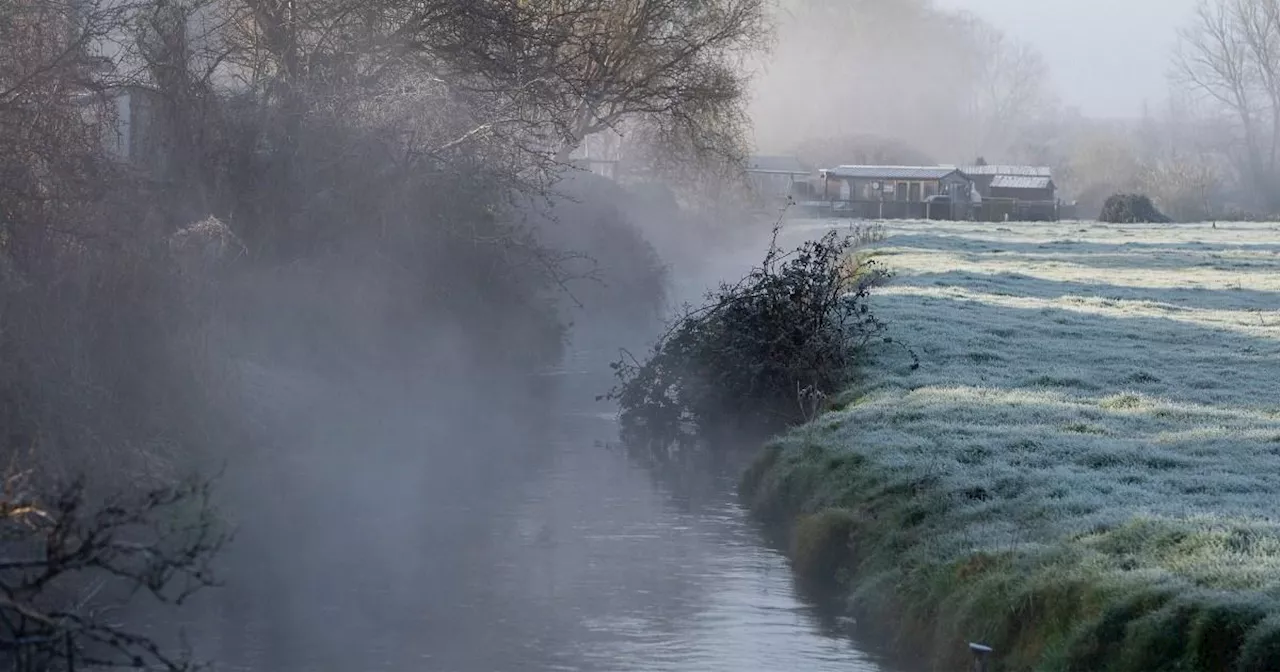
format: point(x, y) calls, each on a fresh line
point(425, 531)
point(595, 562)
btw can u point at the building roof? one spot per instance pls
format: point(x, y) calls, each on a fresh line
point(1020, 182)
point(776, 164)
point(892, 172)
point(1019, 171)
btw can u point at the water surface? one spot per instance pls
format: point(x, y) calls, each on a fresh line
point(598, 563)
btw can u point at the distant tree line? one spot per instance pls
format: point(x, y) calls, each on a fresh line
point(1228, 58)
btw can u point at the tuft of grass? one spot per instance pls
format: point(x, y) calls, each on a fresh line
point(1121, 402)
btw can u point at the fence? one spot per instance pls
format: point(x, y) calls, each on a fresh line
point(990, 210)
point(1012, 209)
point(881, 209)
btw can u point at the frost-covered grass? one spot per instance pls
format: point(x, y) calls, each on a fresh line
point(1087, 460)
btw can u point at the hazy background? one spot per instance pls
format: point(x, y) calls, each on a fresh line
point(1113, 81)
point(1112, 96)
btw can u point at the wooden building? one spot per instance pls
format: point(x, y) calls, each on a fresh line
point(991, 193)
point(1014, 192)
point(895, 192)
point(986, 177)
point(1023, 188)
point(913, 184)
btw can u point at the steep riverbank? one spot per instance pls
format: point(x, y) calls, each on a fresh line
point(1082, 472)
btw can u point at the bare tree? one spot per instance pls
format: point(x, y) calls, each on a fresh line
point(53, 116)
point(523, 82)
point(675, 67)
point(1258, 23)
point(1009, 86)
point(1230, 54)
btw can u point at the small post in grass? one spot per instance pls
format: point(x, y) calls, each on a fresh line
point(981, 653)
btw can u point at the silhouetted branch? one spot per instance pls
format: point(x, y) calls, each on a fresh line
point(161, 541)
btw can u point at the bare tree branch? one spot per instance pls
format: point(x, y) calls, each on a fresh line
point(161, 541)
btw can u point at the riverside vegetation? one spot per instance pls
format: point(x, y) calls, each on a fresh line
point(1080, 473)
point(328, 215)
point(760, 354)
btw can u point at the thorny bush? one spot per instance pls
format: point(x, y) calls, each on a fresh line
point(760, 354)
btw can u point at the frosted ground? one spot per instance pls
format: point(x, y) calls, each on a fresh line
point(1077, 375)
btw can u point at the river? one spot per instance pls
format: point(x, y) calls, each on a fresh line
point(620, 566)
point(598, 562)
point(381, 532)
point(575, 557)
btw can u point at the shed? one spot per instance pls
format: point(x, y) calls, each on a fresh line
point(985, 178)
point(1023, 188)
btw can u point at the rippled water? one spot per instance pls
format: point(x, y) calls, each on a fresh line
point(379, 532)
point(574, 557)
point(597, 563)
point(634, 576)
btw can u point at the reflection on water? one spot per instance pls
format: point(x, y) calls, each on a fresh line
point(596, 562)
point(579, 558)
point(630, 576)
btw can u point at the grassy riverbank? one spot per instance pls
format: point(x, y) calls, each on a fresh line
point(1085, 470)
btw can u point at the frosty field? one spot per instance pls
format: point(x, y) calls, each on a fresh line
point(1087, 459)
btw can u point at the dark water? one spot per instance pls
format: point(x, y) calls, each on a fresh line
point(407, 526)
point(578, 558)
point(597, 562)
point(590, 561)
point(631, 575)
point(379, 537)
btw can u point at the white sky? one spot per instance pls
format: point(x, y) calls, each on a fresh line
point(1107, 56)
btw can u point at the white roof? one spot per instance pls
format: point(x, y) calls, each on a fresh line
point(1020, 182)
point(1008, 169)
